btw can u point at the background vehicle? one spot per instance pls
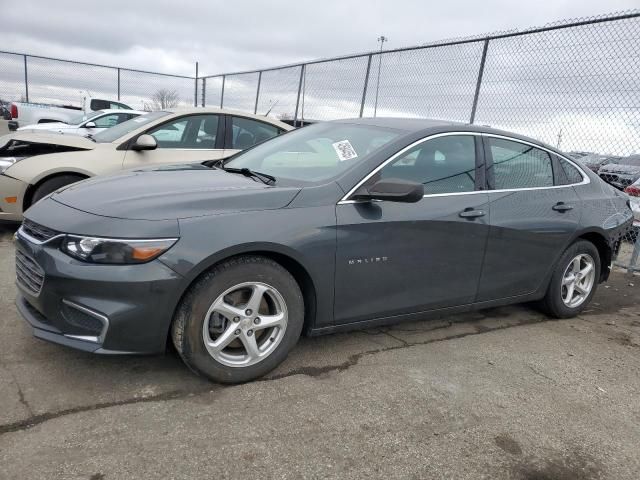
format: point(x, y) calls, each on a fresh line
point(633, 191)
point(85, 124)
point(594, 161)
point(32, 165)
point(337, 225)
point(23, 113)
point(623, 173)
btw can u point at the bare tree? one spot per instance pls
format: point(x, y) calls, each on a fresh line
point(164, 98)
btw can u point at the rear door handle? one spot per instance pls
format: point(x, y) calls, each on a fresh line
point(562, 207)
point(471, 213)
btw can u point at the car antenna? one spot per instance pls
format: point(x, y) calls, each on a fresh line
point(271, 108)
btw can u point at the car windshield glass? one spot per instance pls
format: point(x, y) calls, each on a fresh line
point(314, 153)
point(77, 120)
point(114, 133)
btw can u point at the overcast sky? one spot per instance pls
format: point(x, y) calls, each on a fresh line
point(169, 36)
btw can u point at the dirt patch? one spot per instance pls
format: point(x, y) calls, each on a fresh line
point(508, 444)
point(579, 466)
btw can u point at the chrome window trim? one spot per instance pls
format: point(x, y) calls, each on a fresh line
point(345, 199)
point(585, 178)
point(89, 338)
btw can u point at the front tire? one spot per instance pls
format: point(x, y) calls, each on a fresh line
point(574, 280)
point(52, 184)
point(240, 320)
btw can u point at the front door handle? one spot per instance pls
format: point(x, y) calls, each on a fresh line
point(562, 207)
point(471, 213)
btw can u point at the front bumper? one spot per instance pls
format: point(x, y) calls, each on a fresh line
point(12, 193)
point(95, 308)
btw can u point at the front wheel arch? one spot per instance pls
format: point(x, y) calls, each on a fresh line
point(32, 188)
point(292, 265)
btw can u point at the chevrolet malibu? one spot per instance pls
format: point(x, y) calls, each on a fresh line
point(339, 225)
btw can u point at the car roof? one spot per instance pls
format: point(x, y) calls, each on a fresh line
point(121, 110)
point(226, 111)
point(428, 126)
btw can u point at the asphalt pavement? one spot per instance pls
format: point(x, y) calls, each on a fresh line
point(505, 393)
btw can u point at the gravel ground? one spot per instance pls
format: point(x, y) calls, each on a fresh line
point(502, 393)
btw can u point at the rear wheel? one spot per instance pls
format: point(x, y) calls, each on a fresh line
point(240, 320)
point(574, 280)
point(52, 184)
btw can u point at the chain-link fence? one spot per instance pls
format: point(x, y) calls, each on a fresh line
point(572, 84)
point(36, 79)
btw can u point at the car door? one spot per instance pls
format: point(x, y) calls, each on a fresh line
point(243, 133)
point(186, 139)
point(532, 218)
point(395, 258)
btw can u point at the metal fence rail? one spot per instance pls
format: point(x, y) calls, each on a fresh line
point(573, 84)
point(37, 79)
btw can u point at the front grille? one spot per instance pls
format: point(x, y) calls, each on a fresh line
point(37, 231)
point(28, 273)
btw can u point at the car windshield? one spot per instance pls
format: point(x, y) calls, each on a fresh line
point(314, 153)
point(114, 133)
point(81, 118)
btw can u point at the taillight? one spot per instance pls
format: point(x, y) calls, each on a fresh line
point(14, 110)
point(632, 190)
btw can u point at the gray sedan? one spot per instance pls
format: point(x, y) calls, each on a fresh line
point(338, 225)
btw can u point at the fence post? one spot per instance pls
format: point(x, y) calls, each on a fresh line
point(295, 115)
point(479, 81)
point(26, 81)
point(204, 91)
point(366, 83)
point(195, 93)
point(222, 92)
point(255, 109)
point(118, 84)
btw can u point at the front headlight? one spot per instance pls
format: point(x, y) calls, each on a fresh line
point(115, 251)
point(6, 162)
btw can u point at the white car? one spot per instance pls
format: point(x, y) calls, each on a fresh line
point(85, 124)
point(26, 113)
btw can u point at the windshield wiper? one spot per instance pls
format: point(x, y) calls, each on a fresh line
point(263, 177)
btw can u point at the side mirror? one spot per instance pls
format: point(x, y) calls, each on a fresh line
point(391, 190)
point(144, 142)
point(90, 125)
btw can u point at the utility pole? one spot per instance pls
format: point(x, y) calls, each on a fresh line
point(381, 39)
point(559, 142)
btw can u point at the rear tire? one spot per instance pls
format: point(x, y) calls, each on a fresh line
point(574, 281)
point(51, 185)
point(222, 332)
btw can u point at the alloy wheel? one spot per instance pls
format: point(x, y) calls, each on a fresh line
point(245, 324)
point(578, 280)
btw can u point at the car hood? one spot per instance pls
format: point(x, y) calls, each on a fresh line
point(619, 168)
point(45, 126)
point(172, 192)
point(73, 141)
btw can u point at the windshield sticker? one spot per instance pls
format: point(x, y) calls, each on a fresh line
point(344, 150)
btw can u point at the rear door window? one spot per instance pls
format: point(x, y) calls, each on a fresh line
point(246, 132)
point(518, 165)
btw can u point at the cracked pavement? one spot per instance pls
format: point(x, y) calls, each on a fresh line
point(502, 393)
